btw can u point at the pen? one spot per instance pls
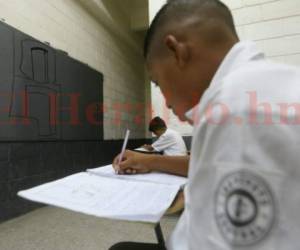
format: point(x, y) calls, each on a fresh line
point(123, 147)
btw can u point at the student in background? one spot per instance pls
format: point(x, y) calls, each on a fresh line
point(169, 141)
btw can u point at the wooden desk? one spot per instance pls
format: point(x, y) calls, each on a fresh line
point(177, 205)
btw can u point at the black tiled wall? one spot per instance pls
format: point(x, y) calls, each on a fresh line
point(25, 165)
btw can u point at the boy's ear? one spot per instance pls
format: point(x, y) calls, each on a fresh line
point(178, 50)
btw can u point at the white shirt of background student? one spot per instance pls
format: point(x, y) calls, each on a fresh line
point(170, 143)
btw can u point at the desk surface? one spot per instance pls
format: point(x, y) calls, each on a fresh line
point(177, 205)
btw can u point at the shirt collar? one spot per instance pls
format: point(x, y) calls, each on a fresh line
point(240, 53)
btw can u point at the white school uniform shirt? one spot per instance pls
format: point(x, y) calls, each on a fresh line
point(171, 143)
point(244, 175)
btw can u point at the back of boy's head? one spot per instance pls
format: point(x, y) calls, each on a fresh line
point(176, 12)
point(157, 124)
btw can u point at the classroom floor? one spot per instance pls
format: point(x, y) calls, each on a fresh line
point(51, 228)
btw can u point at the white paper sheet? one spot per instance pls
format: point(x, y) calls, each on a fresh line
point(142, 149)
point(153, 177)
point(106, 197)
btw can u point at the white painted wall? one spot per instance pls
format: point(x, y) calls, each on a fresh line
point(273, 24)
point(90, 32)
point(154, 6)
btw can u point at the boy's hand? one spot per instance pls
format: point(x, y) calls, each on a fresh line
point(132, 163)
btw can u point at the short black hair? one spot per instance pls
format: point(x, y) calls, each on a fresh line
point(156, 124)
point(185, 8)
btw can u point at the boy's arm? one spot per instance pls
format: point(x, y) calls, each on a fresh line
point(142, 163)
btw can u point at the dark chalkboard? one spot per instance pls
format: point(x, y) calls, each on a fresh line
point(45, 95)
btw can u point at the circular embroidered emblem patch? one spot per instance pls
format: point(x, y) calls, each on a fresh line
point(244, 208)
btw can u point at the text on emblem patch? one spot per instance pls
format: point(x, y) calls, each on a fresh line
point(244, 208)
